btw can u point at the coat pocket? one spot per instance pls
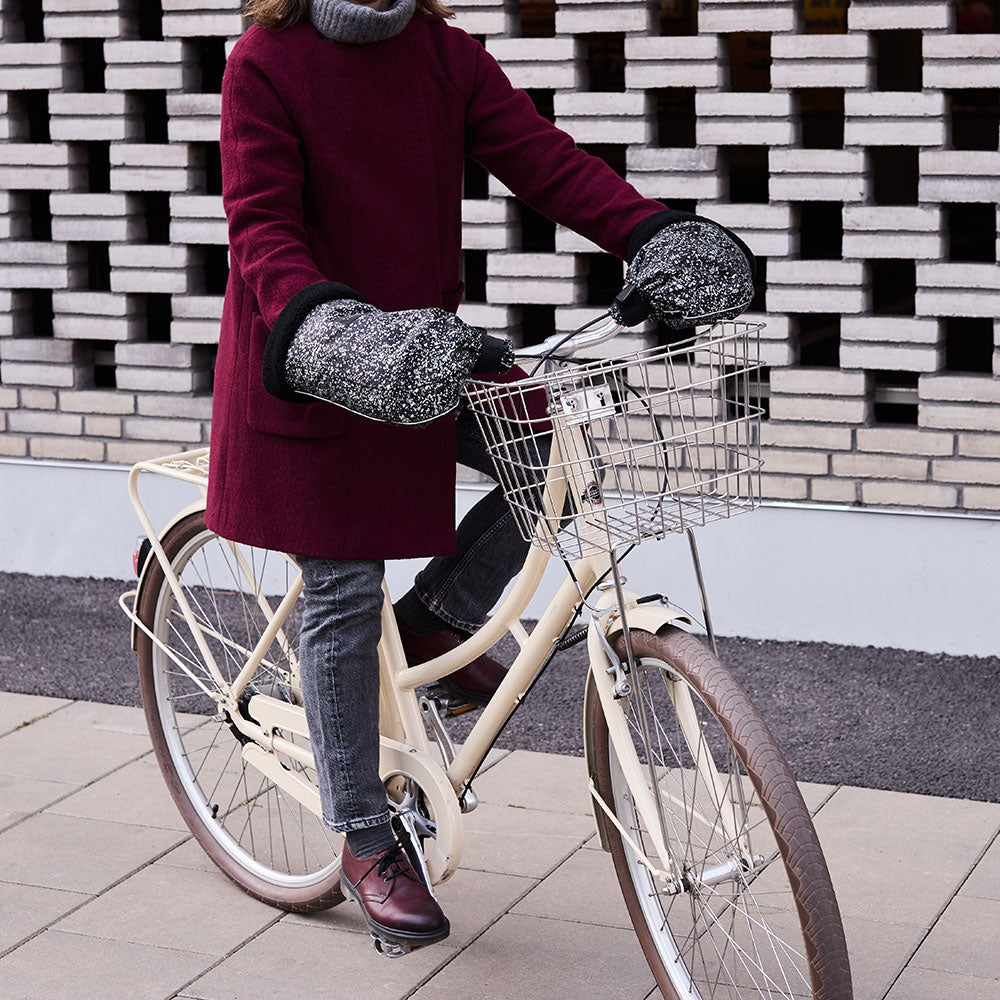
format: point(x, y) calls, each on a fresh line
point(269, 415)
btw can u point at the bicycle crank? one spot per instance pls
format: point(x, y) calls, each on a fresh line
point(426, 807)
point(412, 827)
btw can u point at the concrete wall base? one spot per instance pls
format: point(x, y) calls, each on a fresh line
point(911, 580)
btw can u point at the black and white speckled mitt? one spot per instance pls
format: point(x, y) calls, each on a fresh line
point(685, 271)
point(404, 367)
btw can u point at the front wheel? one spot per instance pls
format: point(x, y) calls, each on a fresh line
point(750, 911)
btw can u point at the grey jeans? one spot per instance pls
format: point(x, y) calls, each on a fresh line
point(341, 627)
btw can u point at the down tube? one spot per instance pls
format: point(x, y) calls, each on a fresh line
point(522, 672)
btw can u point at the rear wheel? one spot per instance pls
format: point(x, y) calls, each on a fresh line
point(265, 841)
point(752, 911)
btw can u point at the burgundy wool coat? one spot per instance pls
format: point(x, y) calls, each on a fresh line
point(345, 163)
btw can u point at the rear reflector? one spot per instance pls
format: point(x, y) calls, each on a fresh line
point(143, 547)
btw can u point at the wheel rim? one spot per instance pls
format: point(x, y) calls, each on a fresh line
point(735, 937)
point(267, 833)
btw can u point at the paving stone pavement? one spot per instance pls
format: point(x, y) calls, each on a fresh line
point(104, 895)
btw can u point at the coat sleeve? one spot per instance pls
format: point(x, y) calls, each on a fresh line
point(544, 167)
point(262, 180)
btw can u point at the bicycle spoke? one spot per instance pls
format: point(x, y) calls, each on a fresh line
point(746, 959)
point(208, 751)
point(237, 587)
point(205, 617)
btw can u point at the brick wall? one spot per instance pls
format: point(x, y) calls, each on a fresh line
point(857, 151)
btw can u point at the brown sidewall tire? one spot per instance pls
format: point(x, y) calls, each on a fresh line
point(822, 928)
point(320, 896)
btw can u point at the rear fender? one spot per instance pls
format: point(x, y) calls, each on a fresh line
point(198, 505)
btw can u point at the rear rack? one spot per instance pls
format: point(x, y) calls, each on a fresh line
point(187, 466)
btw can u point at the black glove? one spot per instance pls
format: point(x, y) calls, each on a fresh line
point(685, 271)
point(405, 367)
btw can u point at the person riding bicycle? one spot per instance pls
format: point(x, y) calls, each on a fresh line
point(345, 129)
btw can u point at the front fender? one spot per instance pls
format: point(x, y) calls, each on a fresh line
point(648, 617)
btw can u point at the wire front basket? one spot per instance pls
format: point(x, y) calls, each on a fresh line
point(596, 455)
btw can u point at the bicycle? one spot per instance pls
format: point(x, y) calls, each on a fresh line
point(714, 848)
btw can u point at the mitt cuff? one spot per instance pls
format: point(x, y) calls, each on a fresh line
point(496, 356)
point(652, 224)
point(286, 326)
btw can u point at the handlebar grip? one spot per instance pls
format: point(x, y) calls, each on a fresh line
point(630, 307)
point(495, 358)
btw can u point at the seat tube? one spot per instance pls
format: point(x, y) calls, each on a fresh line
point(399, 712)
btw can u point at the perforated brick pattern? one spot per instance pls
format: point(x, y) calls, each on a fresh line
point(857, 150)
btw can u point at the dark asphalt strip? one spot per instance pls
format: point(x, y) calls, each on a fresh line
point(880, 718)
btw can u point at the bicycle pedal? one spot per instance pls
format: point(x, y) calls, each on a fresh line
point(448, 704)
point(460, 707)
point(390, 949)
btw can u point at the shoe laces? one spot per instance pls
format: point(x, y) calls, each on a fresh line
point(394, 862)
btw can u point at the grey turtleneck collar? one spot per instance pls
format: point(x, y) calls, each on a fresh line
point(354, 24)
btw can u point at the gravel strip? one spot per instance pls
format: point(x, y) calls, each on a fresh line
point(879, 718)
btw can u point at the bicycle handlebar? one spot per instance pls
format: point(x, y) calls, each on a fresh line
point(559, 346)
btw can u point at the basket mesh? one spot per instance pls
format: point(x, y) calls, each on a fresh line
point(633, 447)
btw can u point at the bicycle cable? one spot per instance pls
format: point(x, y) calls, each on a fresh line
point(548, 659)
point(616, 559)
point(569, 336)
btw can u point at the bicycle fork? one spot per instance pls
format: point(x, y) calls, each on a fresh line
point(616, 681)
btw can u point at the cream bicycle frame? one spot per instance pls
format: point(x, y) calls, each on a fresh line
point(405, 745)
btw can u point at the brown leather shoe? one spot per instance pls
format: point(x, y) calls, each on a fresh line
point(475, 682)
point(393, 897)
